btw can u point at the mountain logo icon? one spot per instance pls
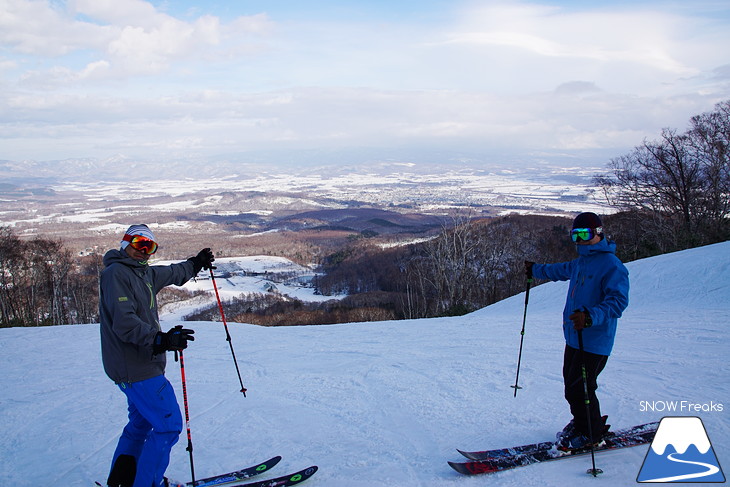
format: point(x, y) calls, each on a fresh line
point(681, 452)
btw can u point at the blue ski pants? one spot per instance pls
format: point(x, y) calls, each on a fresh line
point(154, 427)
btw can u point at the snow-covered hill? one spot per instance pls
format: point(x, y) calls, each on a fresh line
point(243, 276)
point(387, 403)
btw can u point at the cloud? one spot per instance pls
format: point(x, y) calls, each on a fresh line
point(214, 122)
point(130, 76)
point(722, 73)
point(611, 46)
point(576, 88)
point(125, 37)
point(34, 27)
point(118, 12)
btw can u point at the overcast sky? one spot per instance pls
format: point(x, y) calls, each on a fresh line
point(172, 79)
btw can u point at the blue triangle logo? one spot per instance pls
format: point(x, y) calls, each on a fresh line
point(681, 452)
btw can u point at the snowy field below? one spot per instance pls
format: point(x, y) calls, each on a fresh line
point(385, 403)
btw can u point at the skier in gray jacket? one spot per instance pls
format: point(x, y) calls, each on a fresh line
point(133, 350)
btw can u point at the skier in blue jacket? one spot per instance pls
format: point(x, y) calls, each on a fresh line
point(133, 353)
point(597, 296)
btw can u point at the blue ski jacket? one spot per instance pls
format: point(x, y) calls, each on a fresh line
point(599, 284)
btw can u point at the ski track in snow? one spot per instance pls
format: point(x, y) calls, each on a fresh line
point(382, 404)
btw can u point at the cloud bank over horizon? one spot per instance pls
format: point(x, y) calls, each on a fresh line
point(176, 79)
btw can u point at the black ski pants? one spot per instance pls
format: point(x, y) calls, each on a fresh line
point(574, 393)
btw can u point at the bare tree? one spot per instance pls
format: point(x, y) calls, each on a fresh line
point(476, 263)
point(11, 259)
point(41, 284)
point(709, 139)
point(682, 181)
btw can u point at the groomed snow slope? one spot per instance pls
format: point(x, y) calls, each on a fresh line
point(383, 404)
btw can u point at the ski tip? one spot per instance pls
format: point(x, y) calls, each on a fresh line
point(268, 464)
point(307, 472)
point(303, 475)
point(466, 454)
point(285, 480)
point(472, 468)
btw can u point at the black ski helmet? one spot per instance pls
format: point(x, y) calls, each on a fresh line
point(588, 220)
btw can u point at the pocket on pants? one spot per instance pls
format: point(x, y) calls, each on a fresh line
point(171, 418)
point(155, 400)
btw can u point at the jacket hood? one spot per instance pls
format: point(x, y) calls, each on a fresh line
point(115, 256)
point(604, 246)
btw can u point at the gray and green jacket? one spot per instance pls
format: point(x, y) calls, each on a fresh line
point(128, 314)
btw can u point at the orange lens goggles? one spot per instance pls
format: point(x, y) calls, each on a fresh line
point(143, 244)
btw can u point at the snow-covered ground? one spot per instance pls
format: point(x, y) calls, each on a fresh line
point(243, 276)
point(386, 403)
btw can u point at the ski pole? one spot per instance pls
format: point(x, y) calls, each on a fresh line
point(593, 470)
point(225, 326)
point(522, 335)
point(187, 413)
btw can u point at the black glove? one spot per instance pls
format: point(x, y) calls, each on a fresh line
point(528, 269)
point(581, 319)
point(175, 339)
point(204, 260)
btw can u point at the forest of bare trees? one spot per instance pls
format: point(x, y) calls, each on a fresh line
point(41, 283)
point(470, 264)
point(674, 192)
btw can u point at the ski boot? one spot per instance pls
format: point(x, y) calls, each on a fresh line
point(171, 483)
point(573, 440)
point(123, 472)
point(568, 431)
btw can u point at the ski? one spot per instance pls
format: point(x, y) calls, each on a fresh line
point(644, 435)
point(235, 476)
point(547, 445)
point(283, 481)
point(238, 475)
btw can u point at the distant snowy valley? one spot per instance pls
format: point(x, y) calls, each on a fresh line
point(237, 276)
